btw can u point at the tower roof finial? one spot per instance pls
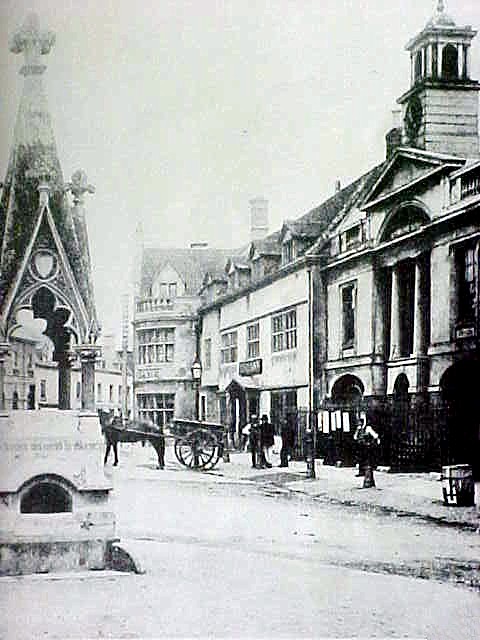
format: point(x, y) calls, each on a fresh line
point(441, 19)
point(33, 43)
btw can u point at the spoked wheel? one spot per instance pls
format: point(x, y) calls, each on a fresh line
point(197, 450)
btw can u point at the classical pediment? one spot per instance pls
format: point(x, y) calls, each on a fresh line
point(407, 168)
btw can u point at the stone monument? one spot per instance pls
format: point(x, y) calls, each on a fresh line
point(54, 495)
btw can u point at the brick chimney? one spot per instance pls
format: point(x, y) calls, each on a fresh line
point(393, 139)
point(258, 218)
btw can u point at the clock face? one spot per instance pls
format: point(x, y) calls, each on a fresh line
point(413, 117)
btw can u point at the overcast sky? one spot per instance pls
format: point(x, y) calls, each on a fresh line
point(181, 111)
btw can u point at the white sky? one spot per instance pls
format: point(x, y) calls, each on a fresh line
point(180, 111)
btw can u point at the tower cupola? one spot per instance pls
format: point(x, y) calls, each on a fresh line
point(440, 110)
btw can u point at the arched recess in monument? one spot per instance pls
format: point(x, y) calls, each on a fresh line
point(48, 494)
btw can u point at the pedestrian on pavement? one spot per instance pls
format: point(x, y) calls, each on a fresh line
point(267, 440)
point(246, 436)
point(254, 441)
point(111, 427)
point(288, 440)
point(367, 440)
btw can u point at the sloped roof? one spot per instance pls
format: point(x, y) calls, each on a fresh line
point(268, 246)
point(191, 265)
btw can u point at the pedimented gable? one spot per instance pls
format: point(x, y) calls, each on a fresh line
point(167, 276)
point(407, 168)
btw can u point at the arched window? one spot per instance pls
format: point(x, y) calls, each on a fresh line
point(450, 62)
point(46, 497)
point(418, 66)
point(403, 221)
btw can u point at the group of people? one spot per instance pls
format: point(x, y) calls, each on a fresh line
point(259, 436)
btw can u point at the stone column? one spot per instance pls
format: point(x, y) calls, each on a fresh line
point(420, 306)
point(395, 316)
point(88, 354)
point(4, 351)
point(65, 380)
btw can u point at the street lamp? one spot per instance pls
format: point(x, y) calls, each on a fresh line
point(196, 377)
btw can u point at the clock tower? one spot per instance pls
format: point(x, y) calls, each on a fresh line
point(440, 110)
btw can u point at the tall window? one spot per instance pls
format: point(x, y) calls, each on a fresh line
point(229, 347)
point(253, 341)
point(99, 392)
point(467, 267)
point(450, 62)
point(43, 389)
point(349, 294)
point(168, 290)
point(288, 251)
point(156, 407)
point(156, 345)
point(119, 392)
point(110, 393)
point(284, 330)
point(207, 353)
point(78, 390)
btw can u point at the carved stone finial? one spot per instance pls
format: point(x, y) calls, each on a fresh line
point(44, 190)
point(441, 6)
point(33, 43)
point(79, 186)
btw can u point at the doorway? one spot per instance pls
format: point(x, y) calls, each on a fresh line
point(460, 394)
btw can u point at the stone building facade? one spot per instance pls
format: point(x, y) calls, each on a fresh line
point(401, 272)
point(370, 302)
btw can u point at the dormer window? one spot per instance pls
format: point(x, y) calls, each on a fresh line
point(352, 238)
point(288, 251)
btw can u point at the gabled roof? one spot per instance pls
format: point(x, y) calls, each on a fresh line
point(334, 210)
point(192, 265)
point(420, 164)
point(268, 246)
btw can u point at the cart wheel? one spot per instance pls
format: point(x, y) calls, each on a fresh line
point(197, 449)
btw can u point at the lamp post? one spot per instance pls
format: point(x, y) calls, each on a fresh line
point(196, 377)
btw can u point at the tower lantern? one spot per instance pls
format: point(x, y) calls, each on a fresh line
point(440, 110)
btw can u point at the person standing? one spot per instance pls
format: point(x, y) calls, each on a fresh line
point(367, 439)
point(266, 440)
point(288, 441)
point(254, 441)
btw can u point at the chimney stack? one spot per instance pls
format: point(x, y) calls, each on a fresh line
point(258, 218)
point(338, 186)
point(393, 138)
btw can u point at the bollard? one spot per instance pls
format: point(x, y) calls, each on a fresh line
point(309, 453)
point(369, 480)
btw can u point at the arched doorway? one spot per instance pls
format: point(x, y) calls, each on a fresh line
point(345, 408)
point(460, 394)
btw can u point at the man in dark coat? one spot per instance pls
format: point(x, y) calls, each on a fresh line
point(288, 440)
point(266, 440)
point(254, 441)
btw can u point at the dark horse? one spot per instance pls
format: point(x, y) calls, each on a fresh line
point(116, 432)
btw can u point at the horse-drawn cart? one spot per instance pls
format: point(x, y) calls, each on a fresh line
point(197, 445)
